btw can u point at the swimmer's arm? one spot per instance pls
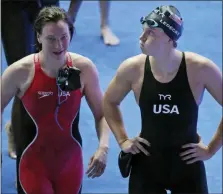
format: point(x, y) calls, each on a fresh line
point(94, 97)
point(10, 84)
point(118, 88)
point(212, 80)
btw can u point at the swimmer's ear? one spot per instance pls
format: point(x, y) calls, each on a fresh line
point(39, 38)
point(174, 43)
point(171, 41)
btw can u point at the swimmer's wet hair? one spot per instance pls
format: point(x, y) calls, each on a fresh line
point(52, 14)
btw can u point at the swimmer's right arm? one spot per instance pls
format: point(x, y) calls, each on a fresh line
point(118, 88)
point(11, 80)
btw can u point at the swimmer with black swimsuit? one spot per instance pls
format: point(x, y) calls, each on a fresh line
point(168, 86)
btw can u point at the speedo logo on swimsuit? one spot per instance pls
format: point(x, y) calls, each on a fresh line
point(43, 94)
point(165, 108)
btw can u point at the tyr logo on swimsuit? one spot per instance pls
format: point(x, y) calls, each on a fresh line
point(164, 97)
point(165, 108)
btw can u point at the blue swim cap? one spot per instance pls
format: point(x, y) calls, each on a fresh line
point(167, 18)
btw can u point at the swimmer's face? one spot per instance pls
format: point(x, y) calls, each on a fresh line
point(55, 39)
point(152, 40)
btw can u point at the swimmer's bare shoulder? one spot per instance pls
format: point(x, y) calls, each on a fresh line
point(81, 62)
point(89, 72)
point(196, 61)
point(204, 71)
point(126, 76)
point(16, 77)
point(200, 66)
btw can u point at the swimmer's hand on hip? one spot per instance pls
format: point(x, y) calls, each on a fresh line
point(195, 152)
point(135, 146)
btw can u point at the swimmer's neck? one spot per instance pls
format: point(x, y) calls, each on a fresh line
point(165, 63)
point(51, 66)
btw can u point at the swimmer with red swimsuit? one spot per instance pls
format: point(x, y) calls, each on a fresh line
point(49, 157)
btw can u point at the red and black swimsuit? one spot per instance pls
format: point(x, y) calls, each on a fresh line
point(49, 155)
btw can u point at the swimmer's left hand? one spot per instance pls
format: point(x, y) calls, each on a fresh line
point(97, 163)
point(196, 152)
